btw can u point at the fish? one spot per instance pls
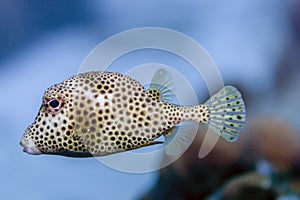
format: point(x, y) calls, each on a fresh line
point(99, 113)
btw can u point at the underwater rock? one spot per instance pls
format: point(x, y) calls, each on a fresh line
point(192, 178)
point(273, 140)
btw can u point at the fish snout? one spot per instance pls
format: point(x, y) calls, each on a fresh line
point(22, 142)
point(29, 147)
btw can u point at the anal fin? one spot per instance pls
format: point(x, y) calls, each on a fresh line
point(178, 139)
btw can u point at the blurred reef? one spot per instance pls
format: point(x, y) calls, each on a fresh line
point(265, 163)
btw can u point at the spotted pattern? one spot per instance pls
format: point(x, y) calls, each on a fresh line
point(103, 113)
point(154, 94)
point(53, 129)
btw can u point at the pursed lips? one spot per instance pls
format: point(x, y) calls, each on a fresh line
point(29, 149)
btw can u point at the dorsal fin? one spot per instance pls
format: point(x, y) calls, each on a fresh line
point(162, 86)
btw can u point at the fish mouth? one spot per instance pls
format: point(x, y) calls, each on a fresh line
point(31, 150)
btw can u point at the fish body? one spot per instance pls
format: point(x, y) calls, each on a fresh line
point(101, 113)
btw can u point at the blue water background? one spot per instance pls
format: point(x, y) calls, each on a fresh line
point(44, 43)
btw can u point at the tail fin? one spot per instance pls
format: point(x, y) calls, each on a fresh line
point(227, 113)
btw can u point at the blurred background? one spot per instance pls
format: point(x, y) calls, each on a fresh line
point(256, 46)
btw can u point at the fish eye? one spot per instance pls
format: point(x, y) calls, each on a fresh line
point(54, 105)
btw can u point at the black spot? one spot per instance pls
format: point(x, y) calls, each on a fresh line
point(68, 133)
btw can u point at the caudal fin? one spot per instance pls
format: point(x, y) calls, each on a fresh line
point(227, 113)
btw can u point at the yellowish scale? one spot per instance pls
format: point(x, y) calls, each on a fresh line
point(101, 113)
